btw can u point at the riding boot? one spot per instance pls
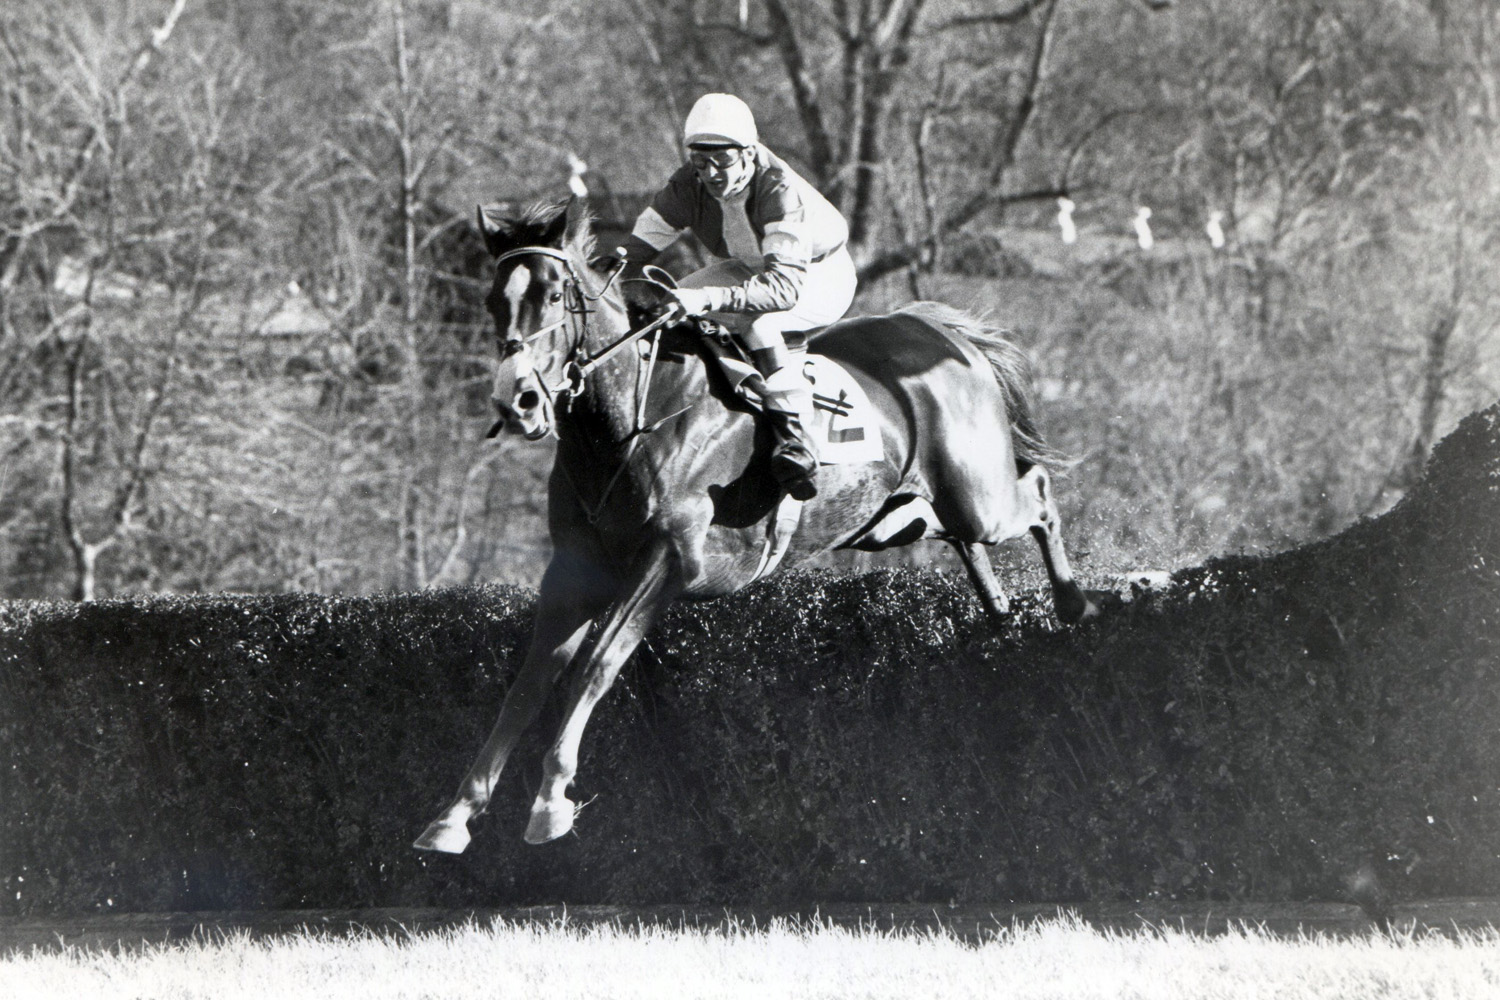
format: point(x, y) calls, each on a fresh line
point(788, 398)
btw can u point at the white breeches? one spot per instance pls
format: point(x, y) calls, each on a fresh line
point(826, 296)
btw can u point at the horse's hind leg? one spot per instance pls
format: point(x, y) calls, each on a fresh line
point(977, 561)
point(624, 626)
point(1035, 491)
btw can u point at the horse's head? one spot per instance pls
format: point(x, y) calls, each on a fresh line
point(543, 300)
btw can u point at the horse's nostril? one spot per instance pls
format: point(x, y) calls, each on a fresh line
point(528, 400)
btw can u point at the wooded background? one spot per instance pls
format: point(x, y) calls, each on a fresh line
point(241, 344)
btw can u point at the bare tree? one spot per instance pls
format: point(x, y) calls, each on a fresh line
point(1458, 172)
point(162, 194)
point(86, 203)
point(857, 72)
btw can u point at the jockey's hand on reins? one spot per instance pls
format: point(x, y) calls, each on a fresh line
point(692, 301)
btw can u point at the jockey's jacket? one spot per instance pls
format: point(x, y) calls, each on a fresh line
point(779, 224)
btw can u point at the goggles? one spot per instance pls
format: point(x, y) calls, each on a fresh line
point(719, 159)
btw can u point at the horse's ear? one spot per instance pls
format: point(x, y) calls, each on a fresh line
point(555, 228)
point(577, 214)
point(497, 230)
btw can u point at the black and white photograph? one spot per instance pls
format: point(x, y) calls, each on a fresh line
point(750, 498)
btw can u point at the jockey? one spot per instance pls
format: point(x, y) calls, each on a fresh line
point(783, 266)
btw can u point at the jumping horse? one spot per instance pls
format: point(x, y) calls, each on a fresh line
point(661, 488)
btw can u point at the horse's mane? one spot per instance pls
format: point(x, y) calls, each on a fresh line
point(578, 240)
point(1013, 370)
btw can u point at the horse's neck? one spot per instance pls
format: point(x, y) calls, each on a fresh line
point(610, 412)
point(602, 417)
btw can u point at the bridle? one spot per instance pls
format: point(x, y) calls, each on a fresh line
point(576, 301)
point(579, 364)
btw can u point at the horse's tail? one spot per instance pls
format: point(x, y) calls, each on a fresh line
point(1015, 376)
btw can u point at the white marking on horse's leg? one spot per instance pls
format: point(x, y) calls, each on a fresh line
point(1071, 603)
point(779, 532)
point(449, 833)
point(977, 561)
point(625, 625)
point(562, 622)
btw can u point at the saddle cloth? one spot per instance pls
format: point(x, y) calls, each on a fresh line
point(841, 414)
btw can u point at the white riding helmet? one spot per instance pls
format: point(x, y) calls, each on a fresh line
point(720, 119)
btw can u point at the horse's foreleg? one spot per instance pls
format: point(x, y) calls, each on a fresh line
point(624, 626)
point(562, 623)
point(977, 561)
point(1072, 604)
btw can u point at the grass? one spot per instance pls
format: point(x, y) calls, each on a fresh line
point(1062, 958)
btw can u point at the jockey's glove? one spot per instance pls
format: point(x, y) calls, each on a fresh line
point(693, 301)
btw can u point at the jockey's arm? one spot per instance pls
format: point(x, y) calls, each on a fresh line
point(775, 289)
point(779, 284)
point(651, 235)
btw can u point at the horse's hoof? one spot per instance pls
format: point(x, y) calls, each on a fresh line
point(449, 838)
point(549, 821)
point(1076, 606)
point(999, 618)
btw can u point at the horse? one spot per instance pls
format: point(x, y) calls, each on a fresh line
point(661, 488)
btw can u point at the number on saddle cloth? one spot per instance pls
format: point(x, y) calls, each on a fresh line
point(841, 414)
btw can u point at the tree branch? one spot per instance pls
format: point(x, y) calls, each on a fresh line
point(120, 513)
point(899, 257)
point(1015, 15)
point(1075, 151)
point(653, 51)
point(804, 92)
point(896, 258)
point(152, 45)
point(461, 526)
point(1027, 105)
point(88, 147)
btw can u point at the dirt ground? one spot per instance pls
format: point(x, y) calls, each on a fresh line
point(973, 922)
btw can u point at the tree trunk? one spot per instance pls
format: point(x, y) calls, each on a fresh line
point(1434, 382)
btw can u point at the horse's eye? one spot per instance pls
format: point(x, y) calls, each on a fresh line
point(555, 298)
point(510, 348)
